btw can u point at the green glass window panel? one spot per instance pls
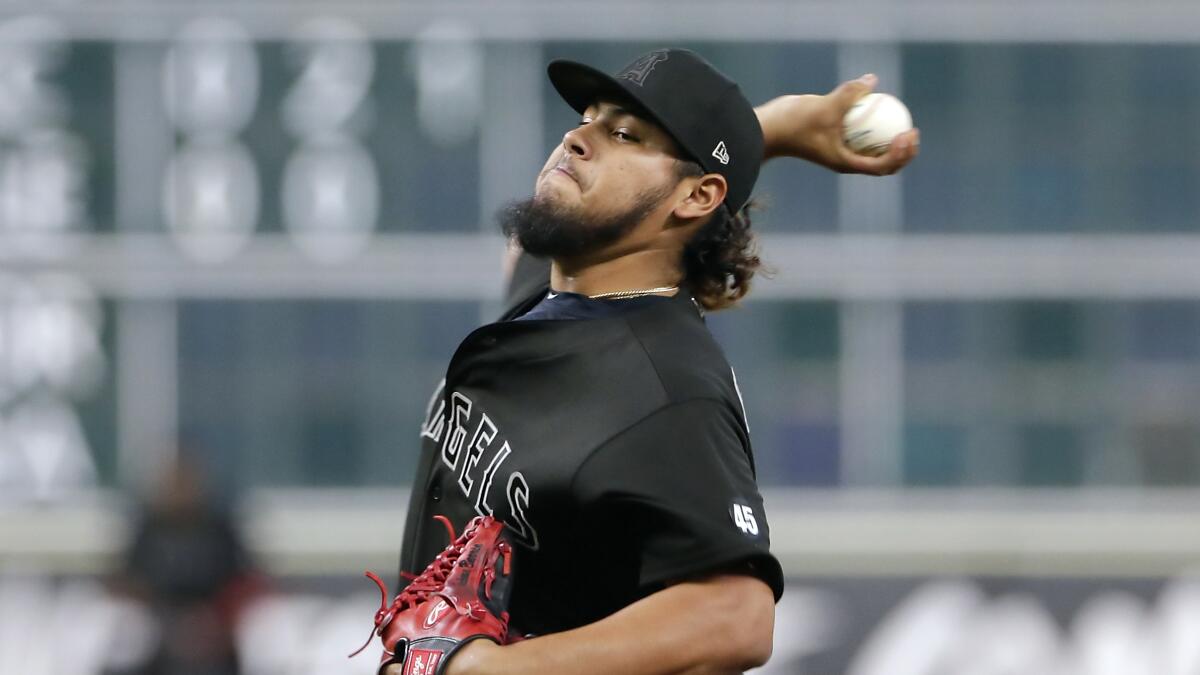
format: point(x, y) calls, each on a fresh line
point(88, 78)
point(941, 71)
point(1038, 167)
point(333, 447)
point(934, 455)
point(330, 331)
point(1048, 74)
point(1047, 195)
point(1050, 455)
point(762, 333)
point(807, 454)
point(807, 330)
point(98, 411)
point(1160, 78)
point(313, 392)
point(1165, 330)
point(1169, 190)
point(1048, 330)
point(1168, 455)
point(934, 331)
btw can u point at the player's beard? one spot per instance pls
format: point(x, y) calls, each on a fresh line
point(549, 230)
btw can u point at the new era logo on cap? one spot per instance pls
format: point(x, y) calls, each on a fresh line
point(721, 153)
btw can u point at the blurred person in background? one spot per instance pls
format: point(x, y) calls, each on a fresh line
point(187, 565)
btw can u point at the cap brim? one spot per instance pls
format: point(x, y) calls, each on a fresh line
point(582, 85)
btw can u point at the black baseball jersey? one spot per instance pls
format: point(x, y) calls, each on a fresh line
point(614, 448)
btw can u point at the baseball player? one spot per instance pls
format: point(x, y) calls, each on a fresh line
point(598, 421)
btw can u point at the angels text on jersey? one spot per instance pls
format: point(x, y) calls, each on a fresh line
point(473, 449)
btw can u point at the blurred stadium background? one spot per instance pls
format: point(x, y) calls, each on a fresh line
point(249, 235)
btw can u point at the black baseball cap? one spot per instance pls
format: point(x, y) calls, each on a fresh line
point(704, 111)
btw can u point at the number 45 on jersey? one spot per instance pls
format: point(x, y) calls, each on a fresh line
point(743, 517)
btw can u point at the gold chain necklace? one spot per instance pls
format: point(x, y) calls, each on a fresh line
point(625, 295)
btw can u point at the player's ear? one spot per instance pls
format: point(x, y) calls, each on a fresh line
point(707, 194)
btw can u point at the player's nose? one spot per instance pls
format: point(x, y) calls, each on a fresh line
point(575, 143)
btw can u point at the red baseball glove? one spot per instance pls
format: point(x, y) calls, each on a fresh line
point(461, 596)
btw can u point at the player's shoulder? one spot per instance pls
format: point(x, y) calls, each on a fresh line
point(686, 357)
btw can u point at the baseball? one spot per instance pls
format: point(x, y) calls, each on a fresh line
point(870, 126)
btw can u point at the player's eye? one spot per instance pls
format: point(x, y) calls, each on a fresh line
point(625, 136)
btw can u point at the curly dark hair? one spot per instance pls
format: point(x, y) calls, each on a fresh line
point(722, 256)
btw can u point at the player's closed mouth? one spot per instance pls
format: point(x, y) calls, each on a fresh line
point(566, 171)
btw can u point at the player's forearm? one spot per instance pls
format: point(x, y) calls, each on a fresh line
point(783, 118)
point(720, 625)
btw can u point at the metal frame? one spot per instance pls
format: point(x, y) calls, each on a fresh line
point(1101, 532)
point(467, 267)
point(746, 20)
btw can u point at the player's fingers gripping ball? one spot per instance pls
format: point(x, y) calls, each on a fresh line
point(461, 596)
point(872, 123)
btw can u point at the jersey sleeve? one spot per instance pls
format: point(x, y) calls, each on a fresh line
point(681, 488)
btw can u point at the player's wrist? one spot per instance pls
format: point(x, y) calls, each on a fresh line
point(471, 658)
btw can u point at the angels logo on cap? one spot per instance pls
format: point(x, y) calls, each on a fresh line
point(639, 70)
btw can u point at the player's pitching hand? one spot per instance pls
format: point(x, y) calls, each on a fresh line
point(810, 127)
